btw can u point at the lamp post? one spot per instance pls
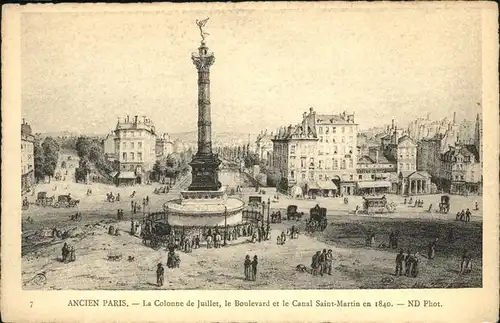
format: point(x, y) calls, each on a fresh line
point(225, 226)
point(268, 210)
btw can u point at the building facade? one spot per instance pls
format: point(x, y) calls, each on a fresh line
point(264, 147)
point(429, 156)
point(164, 146)
point(27, 157)
point(376, 174)
point(461, 170)
point(135, 146)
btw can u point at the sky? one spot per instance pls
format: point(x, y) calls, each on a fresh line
point(81, 71)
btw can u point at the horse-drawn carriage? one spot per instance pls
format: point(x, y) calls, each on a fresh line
point(293, 214)
point(43, 200)
point(66, 201)
point(317, 219)
point(444, 206)
point(373, 205)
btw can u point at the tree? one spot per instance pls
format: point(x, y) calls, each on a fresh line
point(39, 160)
point(251, 159)
point(51, 156)
point(273, 177)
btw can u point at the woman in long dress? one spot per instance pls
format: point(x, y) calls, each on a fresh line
point(247, 266)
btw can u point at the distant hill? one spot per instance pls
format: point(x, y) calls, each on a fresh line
point(227, 138)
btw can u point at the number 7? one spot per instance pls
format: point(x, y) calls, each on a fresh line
point(31, 304)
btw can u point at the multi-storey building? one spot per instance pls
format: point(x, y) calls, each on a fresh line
point(320, 154)
point(461, 170)
point(294, 153)
point(429, 156)
point(109, 145)
point(164, 145)
point(264, 147)
point(135, 146)
point(27, 157)
point(376, 174)
point(336, 148)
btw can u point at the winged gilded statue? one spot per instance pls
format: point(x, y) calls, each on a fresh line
point(201, 24)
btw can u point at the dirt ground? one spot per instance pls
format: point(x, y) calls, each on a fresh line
point(355, 265)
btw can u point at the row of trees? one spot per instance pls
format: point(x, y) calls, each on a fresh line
point(91, 153)
point(46, 156)
point(172, 166)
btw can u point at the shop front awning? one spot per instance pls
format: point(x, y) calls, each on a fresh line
point(322, 185)
point(374, 184)
point(127, 175)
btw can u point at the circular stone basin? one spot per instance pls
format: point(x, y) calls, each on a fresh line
point(204, 213)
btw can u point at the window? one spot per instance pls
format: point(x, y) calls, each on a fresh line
point(343, 139)
point(124, 156)
point(462, 177)
point(320, 164)
point(326, 139)
point(320, 177)
point(373, 177)
point(335, 149)
point(311, 162)
point(350, 163)
point(132, 145)
point(303, 163)
point(124, 145)
point(303, 176)
point(320, 130)
point(292, 149)
point(351, 129)
point(342, 164)
point(343, 129)
point(321, 139)
point(139, 156)
point(139, 145)
point(131, 155)
point(327, 130)
point(334, 130)
point(360, 177)
point(292, 174)
point(351, 177)
point(133, 133)
point(311, 175)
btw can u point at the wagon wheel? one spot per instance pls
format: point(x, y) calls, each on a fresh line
point(40, 279)
point(57, 205)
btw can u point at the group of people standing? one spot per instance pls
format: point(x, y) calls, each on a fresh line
point(407, 263)
point(250, 267)
point(464, 216)
point(418, 203)
point(322, 262)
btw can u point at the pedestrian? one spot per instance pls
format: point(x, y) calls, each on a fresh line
point(322, 262)
point(132, 206)
point(329, 262)
point(132, 227)
point(405, 201)
point(247, 267)
point(431, 251)
point(458, 216)
point(372, 240)
point(197, 241)
point(476, 206)
point(462, 215)
point(254, 268)
point(466, 263)
point(467, 216)
point(399, 263)
point(72, 256)
point(315, 263)
point(391, 239)
point(65, 251)
point(160, 272)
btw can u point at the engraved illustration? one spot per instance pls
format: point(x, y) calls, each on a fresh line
point(136, 175)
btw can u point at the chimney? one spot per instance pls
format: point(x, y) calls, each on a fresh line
point(392, 127)
point(135, 119)
point(454, 117)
